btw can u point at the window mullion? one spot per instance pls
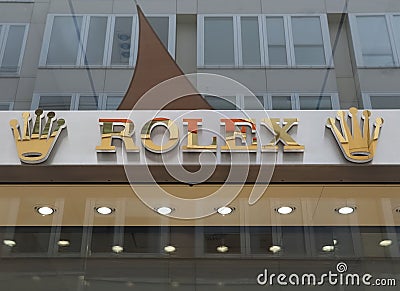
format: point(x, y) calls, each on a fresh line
point(356, 40)
point(263, 40)
point(107, 41)
point(295, 101)
point(289, 42)
point(131, 50)
point(200, 40)
point(326, 41)
point(172, 35)
point(394, 39)
point(237, 42)
point(83, 40)
point(6, 30)
point(110, 40)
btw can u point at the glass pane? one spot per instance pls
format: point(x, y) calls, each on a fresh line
point(218, 41)
point(88, 103)
point(13, 49)
point(254, 102)
point(55, 102)
point(121, 50)
point(96, 41)
point(226, 103)
point(64, 40)
point(250, 41)
point(161, 27)
point(276, 41)
point(281, 102)
point(308, 41)
point(315, 102)
point(375, 41)
point(4, 107)
point(385, 102)
point(113, 102)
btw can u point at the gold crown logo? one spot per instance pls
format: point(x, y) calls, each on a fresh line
point(35, 144)
point(357, 144)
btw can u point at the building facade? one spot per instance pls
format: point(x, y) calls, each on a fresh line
point(302, 59)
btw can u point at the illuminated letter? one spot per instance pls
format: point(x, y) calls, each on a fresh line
point(108, 134)
point(231, 135)
point(173, 135)
point(281, 135)
point(192, 139)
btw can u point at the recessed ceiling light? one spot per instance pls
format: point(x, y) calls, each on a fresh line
point(285, 210)
point(328, 248)
point(104, 210)
point(63, 243)
point(222, 249)
point(225, 210)
point(45, 210)
point(9, 243)
point(169, 249)
point(275, 249)
point(117, 249)
point(386, 243)
point(345, 210)
point(164, 210)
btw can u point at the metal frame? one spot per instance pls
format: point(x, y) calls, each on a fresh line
point(108, 39)
point(238, 61)
point(4, 31)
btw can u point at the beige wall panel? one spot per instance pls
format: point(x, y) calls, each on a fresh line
point(124, 7)
point(186, 6)
point(87, 6)
point(373, 6)
point(8, 88)
point(117, 80)
point(16, 12)
point(254, 79)
point(33, 47)
point(336, 6)
point(157, 6)
point(232, 6)
point(347, 92)
point(57, 81)
point(186, 42)
point(39, 13)
point(379, 80)
point(301, 80)
point(290, 6)
point(25, 89)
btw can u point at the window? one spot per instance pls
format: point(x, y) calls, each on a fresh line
point(76, 101)
point(12, 45)
point(381, 101)
point(263, 40)
point(98, 40)
point(376, 39)
point(6, 106)
point(277, 101)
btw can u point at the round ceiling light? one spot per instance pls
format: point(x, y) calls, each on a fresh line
point(328, 249)
point(104, 210)
point(164, 210)
point(45, 210)
point(275, 249)
point(9, 243)
point(169, 249)
point(225, 210)
point(386, 243)
point(117, 249)
point(285, 210)
point(63, 243)
point(222, 249)
point(345, 210)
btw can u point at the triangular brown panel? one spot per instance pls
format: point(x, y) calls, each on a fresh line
point(155, 65)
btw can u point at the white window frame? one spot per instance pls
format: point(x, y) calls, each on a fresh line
point(366, 98)
point(393, 38)
point(238, 61)
point(80, 60)
point(5, 28)
point(74, 106)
